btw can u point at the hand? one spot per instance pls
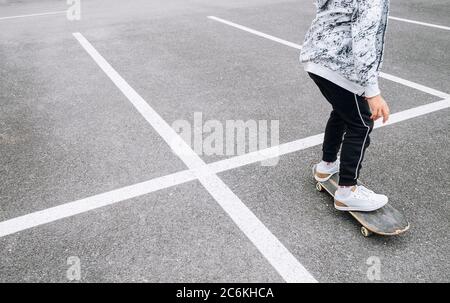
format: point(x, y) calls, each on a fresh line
point(379, 108)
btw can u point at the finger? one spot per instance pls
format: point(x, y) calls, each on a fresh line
point(380, 114)
point(374, 113)
point(385, 115)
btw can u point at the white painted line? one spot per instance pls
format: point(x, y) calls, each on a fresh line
point(84, 205)
point(255, 32)
point(383, 75)
point(414, 112)
point(414, 85)
point(294, 146)
point(33, 15)
point(270, 247)
point(265, 154)
point(419, 23)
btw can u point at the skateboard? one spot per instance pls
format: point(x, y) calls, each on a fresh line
point(386, 221)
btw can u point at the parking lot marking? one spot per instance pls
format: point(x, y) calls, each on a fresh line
point(419, 23)
point(270, 247)
point(301, 144)
point(33, 15)
point(265, 154)
point(66, 210)
point(255, 32)
point(415, 112)
point(414, 85)
point(204, 170)
point(84, 205)
point(297, 46)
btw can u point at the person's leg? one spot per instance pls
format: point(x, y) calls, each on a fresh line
point(352, 116)
point(334, 132)
point(354, 111)
point(350, 196)
point(335, 128)
point(356, 140)
point(329, 165)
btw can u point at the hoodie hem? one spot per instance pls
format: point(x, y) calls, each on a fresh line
point(334, 77)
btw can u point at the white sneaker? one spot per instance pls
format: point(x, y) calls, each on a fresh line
point(323, 172)
point(359, 199)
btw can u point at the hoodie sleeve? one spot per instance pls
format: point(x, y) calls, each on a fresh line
point(368, 34)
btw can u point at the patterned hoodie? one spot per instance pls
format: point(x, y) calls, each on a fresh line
point(345, 43)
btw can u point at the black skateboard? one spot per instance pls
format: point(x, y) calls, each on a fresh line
point(386, 221)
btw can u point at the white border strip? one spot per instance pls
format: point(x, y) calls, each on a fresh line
point(419, 23)
point(269, 246)
point(297, 46)
point(33, 15)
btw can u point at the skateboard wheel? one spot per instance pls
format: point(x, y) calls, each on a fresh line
point(319, 186)
point(365, 232)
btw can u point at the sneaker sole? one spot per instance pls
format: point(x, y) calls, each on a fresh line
point(350, 208)
point(319, 179)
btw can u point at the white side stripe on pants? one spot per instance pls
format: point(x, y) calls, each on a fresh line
point(365, 139)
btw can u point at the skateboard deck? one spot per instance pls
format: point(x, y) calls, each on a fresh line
point(386, 221)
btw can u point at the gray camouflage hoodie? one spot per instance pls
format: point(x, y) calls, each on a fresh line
point(345, 43)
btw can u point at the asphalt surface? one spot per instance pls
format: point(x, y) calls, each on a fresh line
point(67, 133)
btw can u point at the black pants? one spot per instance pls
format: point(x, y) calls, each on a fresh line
point(349, 125)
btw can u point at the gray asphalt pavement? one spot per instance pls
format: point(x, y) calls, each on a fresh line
point(68, 133)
